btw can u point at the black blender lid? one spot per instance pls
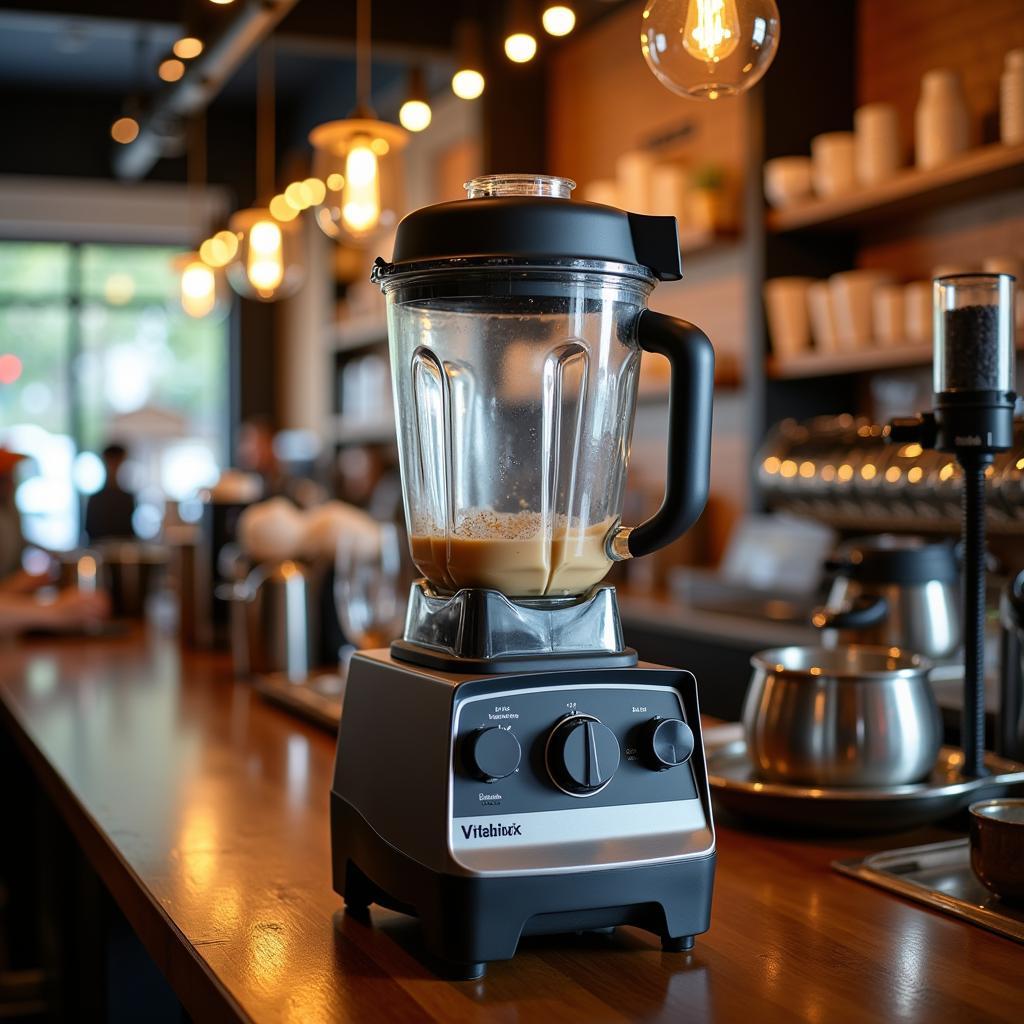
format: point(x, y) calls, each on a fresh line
point(890, 558)
point(546, 225)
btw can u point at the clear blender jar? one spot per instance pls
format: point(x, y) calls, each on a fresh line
point(516, 322)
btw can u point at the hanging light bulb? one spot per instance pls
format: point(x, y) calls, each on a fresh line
point(706, 49)
point(415, 113)
point(124, 130)
point(468, 80)
point(202, 293)
point(267, 265)
point(520, 43)
point(171, 69)
point(558, 20)
point(220, 249)
point(520, 47)
point(467, 84)
point(187, 47)
point(355, 158)
point(360, 200)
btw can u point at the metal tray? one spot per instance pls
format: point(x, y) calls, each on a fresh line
point(736, 788)
point(938, 875)
point(317, 699)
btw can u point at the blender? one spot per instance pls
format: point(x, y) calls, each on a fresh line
point(508, 767)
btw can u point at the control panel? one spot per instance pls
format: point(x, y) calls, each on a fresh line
point(564, 747)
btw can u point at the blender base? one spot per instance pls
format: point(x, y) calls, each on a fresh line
point(453, 801)
point(466, 922)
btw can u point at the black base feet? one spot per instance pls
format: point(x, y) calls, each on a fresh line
point(681, 945)
point(465, 972)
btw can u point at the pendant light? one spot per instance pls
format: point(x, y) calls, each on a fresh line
point(468, 81)
point(202, 290)
point(415, 113)
point(708, 49)
point(267, 264)
point(357, 159)
point(125, 128)
point(520, 42)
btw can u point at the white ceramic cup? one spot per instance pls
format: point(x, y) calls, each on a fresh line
point(852, 293)
point(876, 130)
point(787, 180)
point(888, 314)
point(819, 310)
point(789, 325)
point(917, 311)
point(832, 164)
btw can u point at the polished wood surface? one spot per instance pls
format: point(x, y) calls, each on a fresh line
point(205, 812)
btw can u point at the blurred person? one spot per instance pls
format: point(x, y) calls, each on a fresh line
point(108, 513)
point(255, 454)
point(370, 480)
point(12, 542)
point(21, 608)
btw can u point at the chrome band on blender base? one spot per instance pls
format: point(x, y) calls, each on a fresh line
point(508, 768)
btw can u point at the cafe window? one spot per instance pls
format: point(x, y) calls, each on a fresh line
point(94, 350)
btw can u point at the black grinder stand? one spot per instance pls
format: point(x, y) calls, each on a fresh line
point(973, 419)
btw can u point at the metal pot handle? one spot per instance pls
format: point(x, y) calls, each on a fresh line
point(864, 612)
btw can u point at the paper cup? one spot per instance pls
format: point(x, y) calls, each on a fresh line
point(789, 325)
point(832, 164)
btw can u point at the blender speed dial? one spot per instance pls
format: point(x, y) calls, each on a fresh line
point(582, 755)
point(667, 742)
point(493, 754)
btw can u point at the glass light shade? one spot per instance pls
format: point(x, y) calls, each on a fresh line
point(358, 161)
point(268, 265)
point(203, 292)
point(707, 49)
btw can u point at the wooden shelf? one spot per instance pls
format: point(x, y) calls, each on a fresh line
point(979, 172)
point(886, 356)
point(831, 364)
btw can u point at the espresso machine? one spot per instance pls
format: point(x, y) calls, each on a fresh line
point(508, 767)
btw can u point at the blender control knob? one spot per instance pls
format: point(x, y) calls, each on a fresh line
point(667, 743)
point(493, 753)
point(582, 755)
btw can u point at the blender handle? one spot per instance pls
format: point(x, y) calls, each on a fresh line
point(691, 396)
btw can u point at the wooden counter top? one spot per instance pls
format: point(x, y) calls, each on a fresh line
point(205, 813)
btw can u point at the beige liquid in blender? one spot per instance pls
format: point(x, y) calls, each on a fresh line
point(513, 553)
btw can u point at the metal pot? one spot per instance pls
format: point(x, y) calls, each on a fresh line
point(894, 591)
point(1010, 735)
point(130, 572)
point(272, 622)
point(848, 716)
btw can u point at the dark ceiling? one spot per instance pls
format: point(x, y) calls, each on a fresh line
point(76, 62)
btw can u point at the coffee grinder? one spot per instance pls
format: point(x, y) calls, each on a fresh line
point(508, 767)
point(973, 418)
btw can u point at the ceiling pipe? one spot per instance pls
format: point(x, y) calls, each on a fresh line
point(203, 79)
